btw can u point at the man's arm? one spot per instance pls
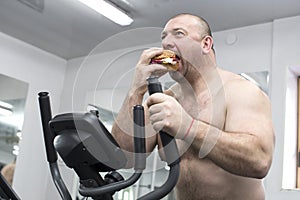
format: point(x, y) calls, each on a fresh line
point(122, 129)
point(246, 144)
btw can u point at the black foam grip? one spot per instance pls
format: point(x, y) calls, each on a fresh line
point(45, 111)
point(169, 144)
point(139, 137)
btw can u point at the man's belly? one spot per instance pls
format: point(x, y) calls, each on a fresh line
point(202, 179)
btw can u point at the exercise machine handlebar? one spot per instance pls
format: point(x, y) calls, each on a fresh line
point(45, 111)
point(171, 152)
point(46, 116)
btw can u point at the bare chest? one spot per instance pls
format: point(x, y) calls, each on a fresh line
point(208, 108)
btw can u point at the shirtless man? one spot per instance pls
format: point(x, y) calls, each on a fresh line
point(221, 122)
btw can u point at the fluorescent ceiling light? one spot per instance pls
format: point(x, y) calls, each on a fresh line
point(108, 10)
point(5, 108)
point(5, 105)
point(5, 111)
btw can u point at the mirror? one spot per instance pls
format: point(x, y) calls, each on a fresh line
point(261, 79)
point(13, 95)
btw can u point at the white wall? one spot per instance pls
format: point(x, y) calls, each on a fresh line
point(85, 76)
point(246, 49)
point(286, 49)
point(43, 72)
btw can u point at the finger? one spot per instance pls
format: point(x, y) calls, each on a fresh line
point(158, 70)
point(156, 117)
point(155, 99)
point(155, 108)
point(158, 126)
point(151, 69)
point(150, 53)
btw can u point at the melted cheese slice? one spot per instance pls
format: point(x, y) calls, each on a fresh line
point(169, 61)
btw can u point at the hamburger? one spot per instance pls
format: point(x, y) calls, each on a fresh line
point(168, 58)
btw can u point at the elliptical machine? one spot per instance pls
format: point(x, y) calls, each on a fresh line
point(85, 145)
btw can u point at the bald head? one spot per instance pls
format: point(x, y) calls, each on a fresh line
point(204, 28)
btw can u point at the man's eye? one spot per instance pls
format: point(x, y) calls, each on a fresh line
point(179, 33)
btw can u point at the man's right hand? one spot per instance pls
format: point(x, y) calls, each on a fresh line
point(144, 70)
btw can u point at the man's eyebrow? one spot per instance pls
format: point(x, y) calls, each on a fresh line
point(176, 29)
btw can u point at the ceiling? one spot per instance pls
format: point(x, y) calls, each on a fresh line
point(69, 29)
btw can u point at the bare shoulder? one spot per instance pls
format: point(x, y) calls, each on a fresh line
point(240, 91)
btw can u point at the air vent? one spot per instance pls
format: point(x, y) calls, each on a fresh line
point(37, 5)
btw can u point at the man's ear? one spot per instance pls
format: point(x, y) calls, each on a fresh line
point(207, 43)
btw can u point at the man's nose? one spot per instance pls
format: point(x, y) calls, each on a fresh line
point(168, 42)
